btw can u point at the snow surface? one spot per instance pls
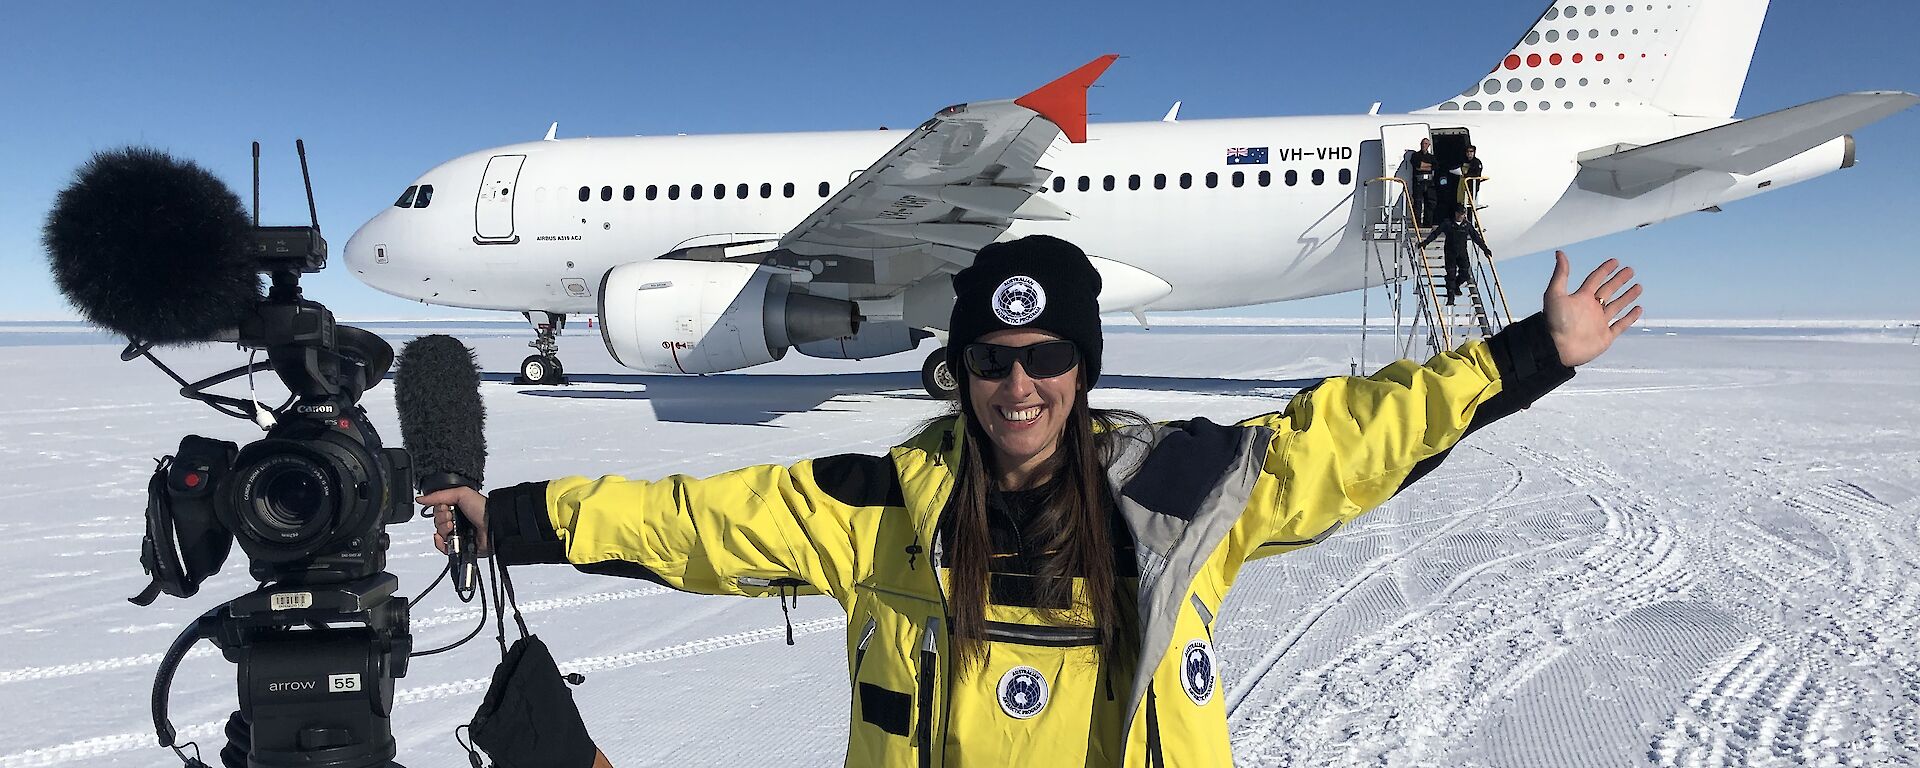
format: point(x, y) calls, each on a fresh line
point(1702, 551)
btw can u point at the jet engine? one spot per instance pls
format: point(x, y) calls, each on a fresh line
point(671, 316)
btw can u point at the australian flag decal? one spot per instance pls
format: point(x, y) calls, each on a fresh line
point(1247, 156)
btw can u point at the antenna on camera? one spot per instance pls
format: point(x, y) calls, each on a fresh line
point(313, 214)
point(256, 185)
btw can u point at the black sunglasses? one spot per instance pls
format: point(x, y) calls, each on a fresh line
point(1044, 360)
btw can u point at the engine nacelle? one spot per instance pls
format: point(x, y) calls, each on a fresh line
point(875, 339)
point(670, 316)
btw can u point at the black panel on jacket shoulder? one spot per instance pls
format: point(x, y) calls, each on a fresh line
point(1187, 464)
point(859, 481)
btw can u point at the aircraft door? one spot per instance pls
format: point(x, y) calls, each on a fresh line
point(1371, 209)
point(493, 206)
point(1449, 153)
point(1396, 143)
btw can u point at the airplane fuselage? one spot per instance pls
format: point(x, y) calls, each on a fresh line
point(1217, 244)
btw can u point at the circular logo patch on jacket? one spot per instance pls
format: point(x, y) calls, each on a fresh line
point(1019, 300)
point(1023, 692)
point(1196, 672)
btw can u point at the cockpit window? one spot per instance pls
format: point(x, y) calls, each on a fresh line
point(426, 196)
point(406, 198)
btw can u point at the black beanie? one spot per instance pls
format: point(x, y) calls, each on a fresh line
point(1039, 283)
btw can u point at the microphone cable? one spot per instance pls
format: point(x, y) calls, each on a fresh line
point(444, 570)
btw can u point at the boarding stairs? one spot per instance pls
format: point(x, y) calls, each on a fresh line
point(1393, 234)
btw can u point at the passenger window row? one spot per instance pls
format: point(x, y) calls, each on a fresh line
point(422, 195)
point(698, 191)
point(1211, 180)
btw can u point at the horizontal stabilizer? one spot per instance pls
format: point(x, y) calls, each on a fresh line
point(1746, 147)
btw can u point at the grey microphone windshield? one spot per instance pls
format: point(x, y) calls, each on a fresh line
point(442, 420)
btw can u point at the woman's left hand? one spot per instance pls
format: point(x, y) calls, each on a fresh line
point(1583, 323)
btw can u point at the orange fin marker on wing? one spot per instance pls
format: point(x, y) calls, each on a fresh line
point(1064, 101)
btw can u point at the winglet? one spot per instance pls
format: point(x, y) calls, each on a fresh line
point(1064, 101)
point(551, 130)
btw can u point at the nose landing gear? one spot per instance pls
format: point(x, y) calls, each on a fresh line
point(543, 367)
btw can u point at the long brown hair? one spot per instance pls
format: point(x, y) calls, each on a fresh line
point(1073, 527)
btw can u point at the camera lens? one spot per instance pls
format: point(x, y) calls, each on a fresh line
point(286, 498)
point(290, 498)
point(308, 496)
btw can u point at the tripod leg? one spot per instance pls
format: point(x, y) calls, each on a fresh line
point(239, 741)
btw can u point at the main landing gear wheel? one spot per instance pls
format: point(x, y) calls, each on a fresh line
point(540, 370)
point(939, 382)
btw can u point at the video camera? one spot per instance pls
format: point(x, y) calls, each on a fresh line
point(308, 500)
point(160, 251)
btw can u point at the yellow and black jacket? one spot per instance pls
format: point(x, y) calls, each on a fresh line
point(1200, 500)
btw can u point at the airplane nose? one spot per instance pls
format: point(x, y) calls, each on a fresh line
point(367, 248)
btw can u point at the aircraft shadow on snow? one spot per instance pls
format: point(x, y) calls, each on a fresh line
point(761, 398)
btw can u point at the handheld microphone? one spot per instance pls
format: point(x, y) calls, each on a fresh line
point(153, 248)
point(437, 391)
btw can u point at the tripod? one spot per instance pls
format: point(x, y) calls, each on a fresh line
point(312, 695)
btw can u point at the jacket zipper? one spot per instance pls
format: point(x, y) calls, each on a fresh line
point(860, 651)
point(783, 584)
point(1317, 538)
point(763, 582)
point(930, 649)
point(1206, 616)
point(929, 657)
point(1154, 758)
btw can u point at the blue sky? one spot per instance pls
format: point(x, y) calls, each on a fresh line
point(382, 92)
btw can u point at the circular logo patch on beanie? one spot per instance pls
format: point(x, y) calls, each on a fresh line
point(1023, 692)
point(1196, 672)
point(1019, 300)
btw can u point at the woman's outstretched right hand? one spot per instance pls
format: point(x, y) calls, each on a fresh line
point(472, 505)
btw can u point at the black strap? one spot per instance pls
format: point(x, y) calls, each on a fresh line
point(788, 617)
point(503, 598)
point(514, 602)
point(499, 608)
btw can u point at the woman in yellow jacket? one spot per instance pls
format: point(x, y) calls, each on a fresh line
point(1032, 581)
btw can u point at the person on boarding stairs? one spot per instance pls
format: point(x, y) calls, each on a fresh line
point(1459, 232)
point(1426, 196)
point(1470, 170)
point(1029, 580)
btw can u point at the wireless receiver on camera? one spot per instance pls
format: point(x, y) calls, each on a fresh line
point(442, 421)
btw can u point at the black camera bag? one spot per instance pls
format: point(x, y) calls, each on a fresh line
point(528, 718)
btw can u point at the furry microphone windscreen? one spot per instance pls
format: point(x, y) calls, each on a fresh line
point(442, 420)
point(151, 247)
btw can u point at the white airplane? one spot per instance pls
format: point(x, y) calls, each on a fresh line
point(703, 254)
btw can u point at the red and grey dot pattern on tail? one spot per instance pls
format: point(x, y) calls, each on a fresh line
point(1674, 58)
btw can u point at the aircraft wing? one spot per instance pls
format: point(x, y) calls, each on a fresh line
point(950, 187)
point(1745, 147)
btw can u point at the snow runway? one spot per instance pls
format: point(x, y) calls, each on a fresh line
point(1705, 550)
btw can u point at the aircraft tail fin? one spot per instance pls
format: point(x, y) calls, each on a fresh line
point(1679, 57)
